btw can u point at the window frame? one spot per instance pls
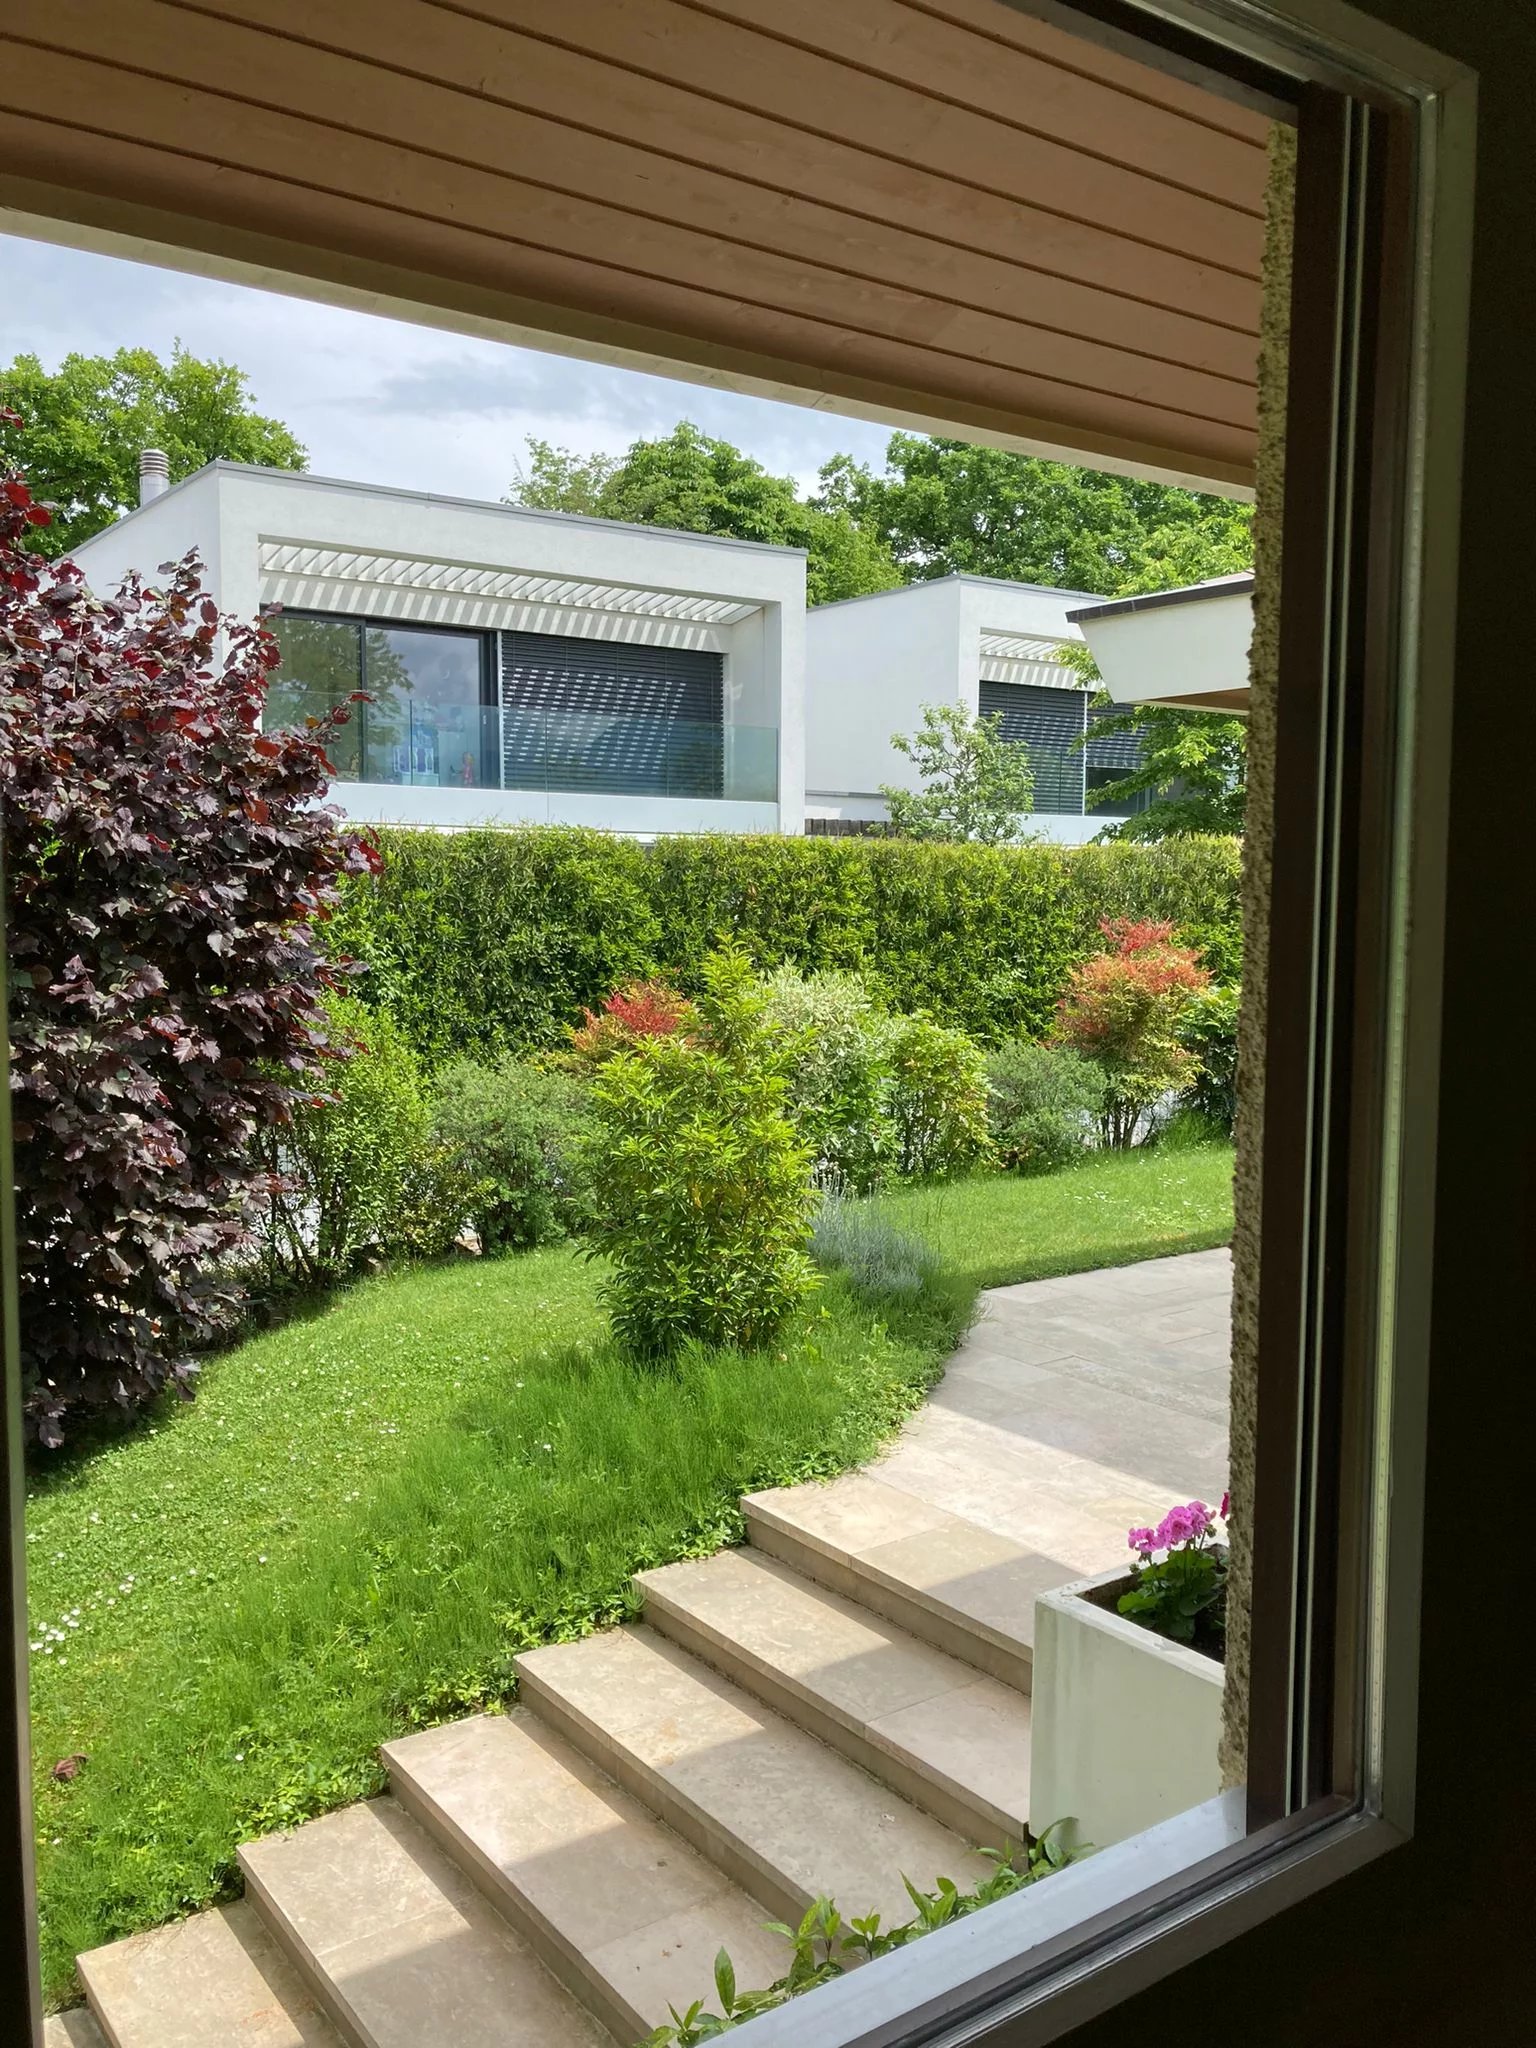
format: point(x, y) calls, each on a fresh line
point(1344, 1357)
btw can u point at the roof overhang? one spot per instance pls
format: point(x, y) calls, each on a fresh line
point(1186, 648)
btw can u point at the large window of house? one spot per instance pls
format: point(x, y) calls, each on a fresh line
point(424, 720)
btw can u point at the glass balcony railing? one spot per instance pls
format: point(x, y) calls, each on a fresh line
point(412, 741)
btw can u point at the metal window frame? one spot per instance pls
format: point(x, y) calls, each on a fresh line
point(1369, 613)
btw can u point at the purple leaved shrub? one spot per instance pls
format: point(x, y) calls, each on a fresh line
point(168, 868)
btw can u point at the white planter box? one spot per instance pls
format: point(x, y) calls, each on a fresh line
point(1125, 1724)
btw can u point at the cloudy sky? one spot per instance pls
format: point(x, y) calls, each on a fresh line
point(380, 400)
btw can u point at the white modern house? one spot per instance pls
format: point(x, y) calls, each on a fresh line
point(989, 645)
point(521, 667)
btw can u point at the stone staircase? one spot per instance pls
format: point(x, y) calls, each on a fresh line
point(842, 1702)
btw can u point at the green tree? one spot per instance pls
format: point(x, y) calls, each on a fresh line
point(1194, 763)
point(691, 481)
point(977, 786)
point(945, 506)
point(84, 425)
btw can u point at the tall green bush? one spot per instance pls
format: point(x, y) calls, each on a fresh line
point(835, 1042)
point(1044, 1104)
point(938, 1099)
point(521, 1136)
point(496, 941)
point(702, 1194)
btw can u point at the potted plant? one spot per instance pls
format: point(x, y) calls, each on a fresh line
point(1127, 1682)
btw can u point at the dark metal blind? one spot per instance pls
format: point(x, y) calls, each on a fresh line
point(1049, 723)
point(1120, 750)
point(616, 719)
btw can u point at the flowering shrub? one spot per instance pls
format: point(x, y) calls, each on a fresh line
point(1179, 1581)
point(167, 866)
point(637, 1011)
point(1123, 1008)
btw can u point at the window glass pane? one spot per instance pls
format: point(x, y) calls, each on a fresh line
point(425, 719)
point(321, 667)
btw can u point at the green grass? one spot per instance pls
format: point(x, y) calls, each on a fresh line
point(367, 1513)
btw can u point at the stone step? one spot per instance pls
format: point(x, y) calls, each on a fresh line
point(74, 2029)
point(933, 1729)
point(399, 1945)
point(218, 1977)
point(966, 1590)
point(785, 1817)
point(625, 1913)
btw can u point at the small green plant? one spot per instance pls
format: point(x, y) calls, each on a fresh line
point(358, 1170)
point(1179, 1582)
point(823, 1944)
point(882, 1263)
point(836, 1042)
point(1208, 1029)
point(519, 1133)
point(938, 1099)
point(702, 1193)
point(1044, 1105)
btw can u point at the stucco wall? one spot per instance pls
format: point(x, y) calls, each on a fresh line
point(1257, 847)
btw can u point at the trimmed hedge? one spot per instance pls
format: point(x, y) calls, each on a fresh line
point(490, 941)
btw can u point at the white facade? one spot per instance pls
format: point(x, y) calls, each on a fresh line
point(874, 663)
point(405, 560)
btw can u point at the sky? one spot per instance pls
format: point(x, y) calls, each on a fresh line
point(383, 401)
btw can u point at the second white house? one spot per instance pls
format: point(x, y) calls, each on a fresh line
point(519, 666)
point(980, 642)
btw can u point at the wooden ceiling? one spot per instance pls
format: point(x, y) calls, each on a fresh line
point(942, 209)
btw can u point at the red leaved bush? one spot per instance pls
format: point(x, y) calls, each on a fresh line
point(640, 1009)
point(167, 866)
point(1122, 1008)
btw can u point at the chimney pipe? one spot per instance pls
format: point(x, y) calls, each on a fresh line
point(154, 474)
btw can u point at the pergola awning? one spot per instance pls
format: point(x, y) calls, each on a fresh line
point(1187, 648)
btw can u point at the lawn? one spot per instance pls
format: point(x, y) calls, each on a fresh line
point(368, 1512)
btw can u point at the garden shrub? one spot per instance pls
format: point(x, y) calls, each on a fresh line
point(938, 1099)
point(1208, 1029)
point(520, 1135)
point(1044, 1104)
point(167, 865)
point(702, 1196)
point(641, 1009)
point(835, 1042)
point(1124, 1009)
point(494, 941)
point(882, 1263)
point(359, 1167)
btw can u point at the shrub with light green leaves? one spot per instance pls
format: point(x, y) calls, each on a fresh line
point(520, 1134)
point(1208, 1029)
point(358, 1167)
point(1044, 1105)
point(938, 1099)
point(702, 1194)
point(835, 1042)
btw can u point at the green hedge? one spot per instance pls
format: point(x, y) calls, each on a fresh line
point(486, 941)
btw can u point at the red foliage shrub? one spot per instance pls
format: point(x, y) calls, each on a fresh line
point(1122, 1008)
point(167, 866)
point(640, 1009)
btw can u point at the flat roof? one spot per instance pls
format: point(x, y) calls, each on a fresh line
point(1192, 593)
point(954, 576)
point(396, 491)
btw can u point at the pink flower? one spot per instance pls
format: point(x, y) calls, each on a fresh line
point(1142, 1541)
point(1226, 1506)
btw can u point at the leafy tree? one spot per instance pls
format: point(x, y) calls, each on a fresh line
point(691, 481)
point(942, 506)
point(976, 785)
point(1194, 763)
point(168, 866)
point(85, 424)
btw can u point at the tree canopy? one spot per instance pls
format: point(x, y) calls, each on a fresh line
point(84, 424)
point(976, 786)
point(944, 506)
point(690, 480)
